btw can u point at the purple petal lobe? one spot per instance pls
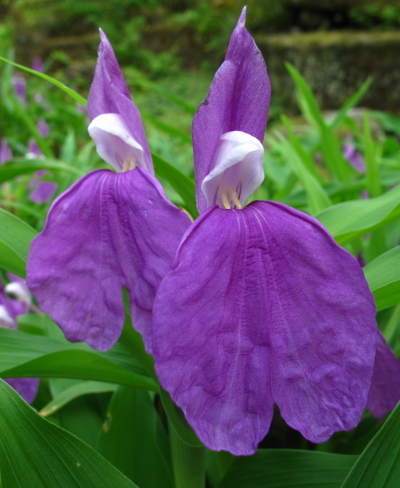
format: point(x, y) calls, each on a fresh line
point(26, 387)
point(109, 94)
point(354, 158)
point(115, 144)
point(238, 100)
point(262, 305)
point(43, 192)
point(385, 389)
point(5, 152)
point(236, 170)
point(107, 231)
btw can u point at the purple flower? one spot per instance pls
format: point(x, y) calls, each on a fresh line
point(5, 152)
point(109, 230)
point(9, 310)
point(261, 306)
point(385, 388)
point(354, 157)
point(43, 191)
point(37, 64)
point(33, 150)
point(43, 128)
point(19, 85)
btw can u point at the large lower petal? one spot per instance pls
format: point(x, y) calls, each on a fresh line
point(321, 323)
point(261, 306)
point(385, 389)
point(107, 231)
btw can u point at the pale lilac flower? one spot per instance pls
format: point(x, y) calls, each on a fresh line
point(19, 85)
point(37, 64)
point(43, 191)
point(354, 157)
point(110, 229)
point(9, 310)
point(43, 128)
point(5, 152)
point(33, 150)
point(261, 306)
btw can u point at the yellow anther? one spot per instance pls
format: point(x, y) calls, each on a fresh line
point(235, 199)
point(224, 200)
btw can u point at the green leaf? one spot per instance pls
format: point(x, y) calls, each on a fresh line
point(38, 454)
point(167, 128)
point(57, 83)
point(298, 158)
point(330, 145)
point(178, 421)
point(347, 220)
point(19, 167)
point(379, 464)
point(75, 391)
point(131, 438)
point(350, 103)
point(26, 355)
point(371, 163)
point(284, 468)
point(183, 185)
point(383, 277)
point(15, 239)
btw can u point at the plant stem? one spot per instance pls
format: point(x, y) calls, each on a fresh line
point(188, 463)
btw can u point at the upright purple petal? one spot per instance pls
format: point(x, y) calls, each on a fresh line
point(262, 305)
point(26, 387)
point(109, 94)
point(5, 152)
point(354, 157)
point(19, 85)
point(385, 389)
point(238, 100)
point(43, 127)
point(108, 231)
point(43, 192)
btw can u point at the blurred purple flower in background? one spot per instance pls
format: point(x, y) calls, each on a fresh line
point(109, 230)
point(5, 152)
point(43, 128)
point(261, 305)
point(37, 64)
point(19, 85)
point(43, 191)
point(9, 310)
point(354, 157)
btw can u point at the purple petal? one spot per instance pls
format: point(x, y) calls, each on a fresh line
point(354, 158)
point(33, 150)
point(262, 305)
point(43, 128)
point(43, 192)
point(109, 95)
point(238, 100)
point(385, 389)
point(26, 387)
point(37, 64)
point(5, 152)
point(19, 85)
point(107, 231)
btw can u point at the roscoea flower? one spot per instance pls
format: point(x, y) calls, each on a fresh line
point(37, 64)
point(110, 229)
point(9, 310)
point(42, 191)
point(43, 127)
point(19, 85)
point(354, 157)
point(5, 152)
point(261, 306)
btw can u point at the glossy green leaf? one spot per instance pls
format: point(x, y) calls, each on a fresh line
point(80, 389)
point(379, 464)
point(10, 261)
point(383, 276)
point(19, 167)
point(350, 103)
point(284, 468)
point(26, 355)
point(78, 98)
point(131, 439)
point(347, 220)
point(183, 185)
point(15, 236)
point(35, 453)
point(371, 161)
point(330, 145)
point(178, 421)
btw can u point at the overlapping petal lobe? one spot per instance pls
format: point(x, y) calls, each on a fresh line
point(321, 322)
point(238, 100)
point(109, 94)
point(26, 387)
point(211, 346)
point(385, 388)
point(107, 231)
